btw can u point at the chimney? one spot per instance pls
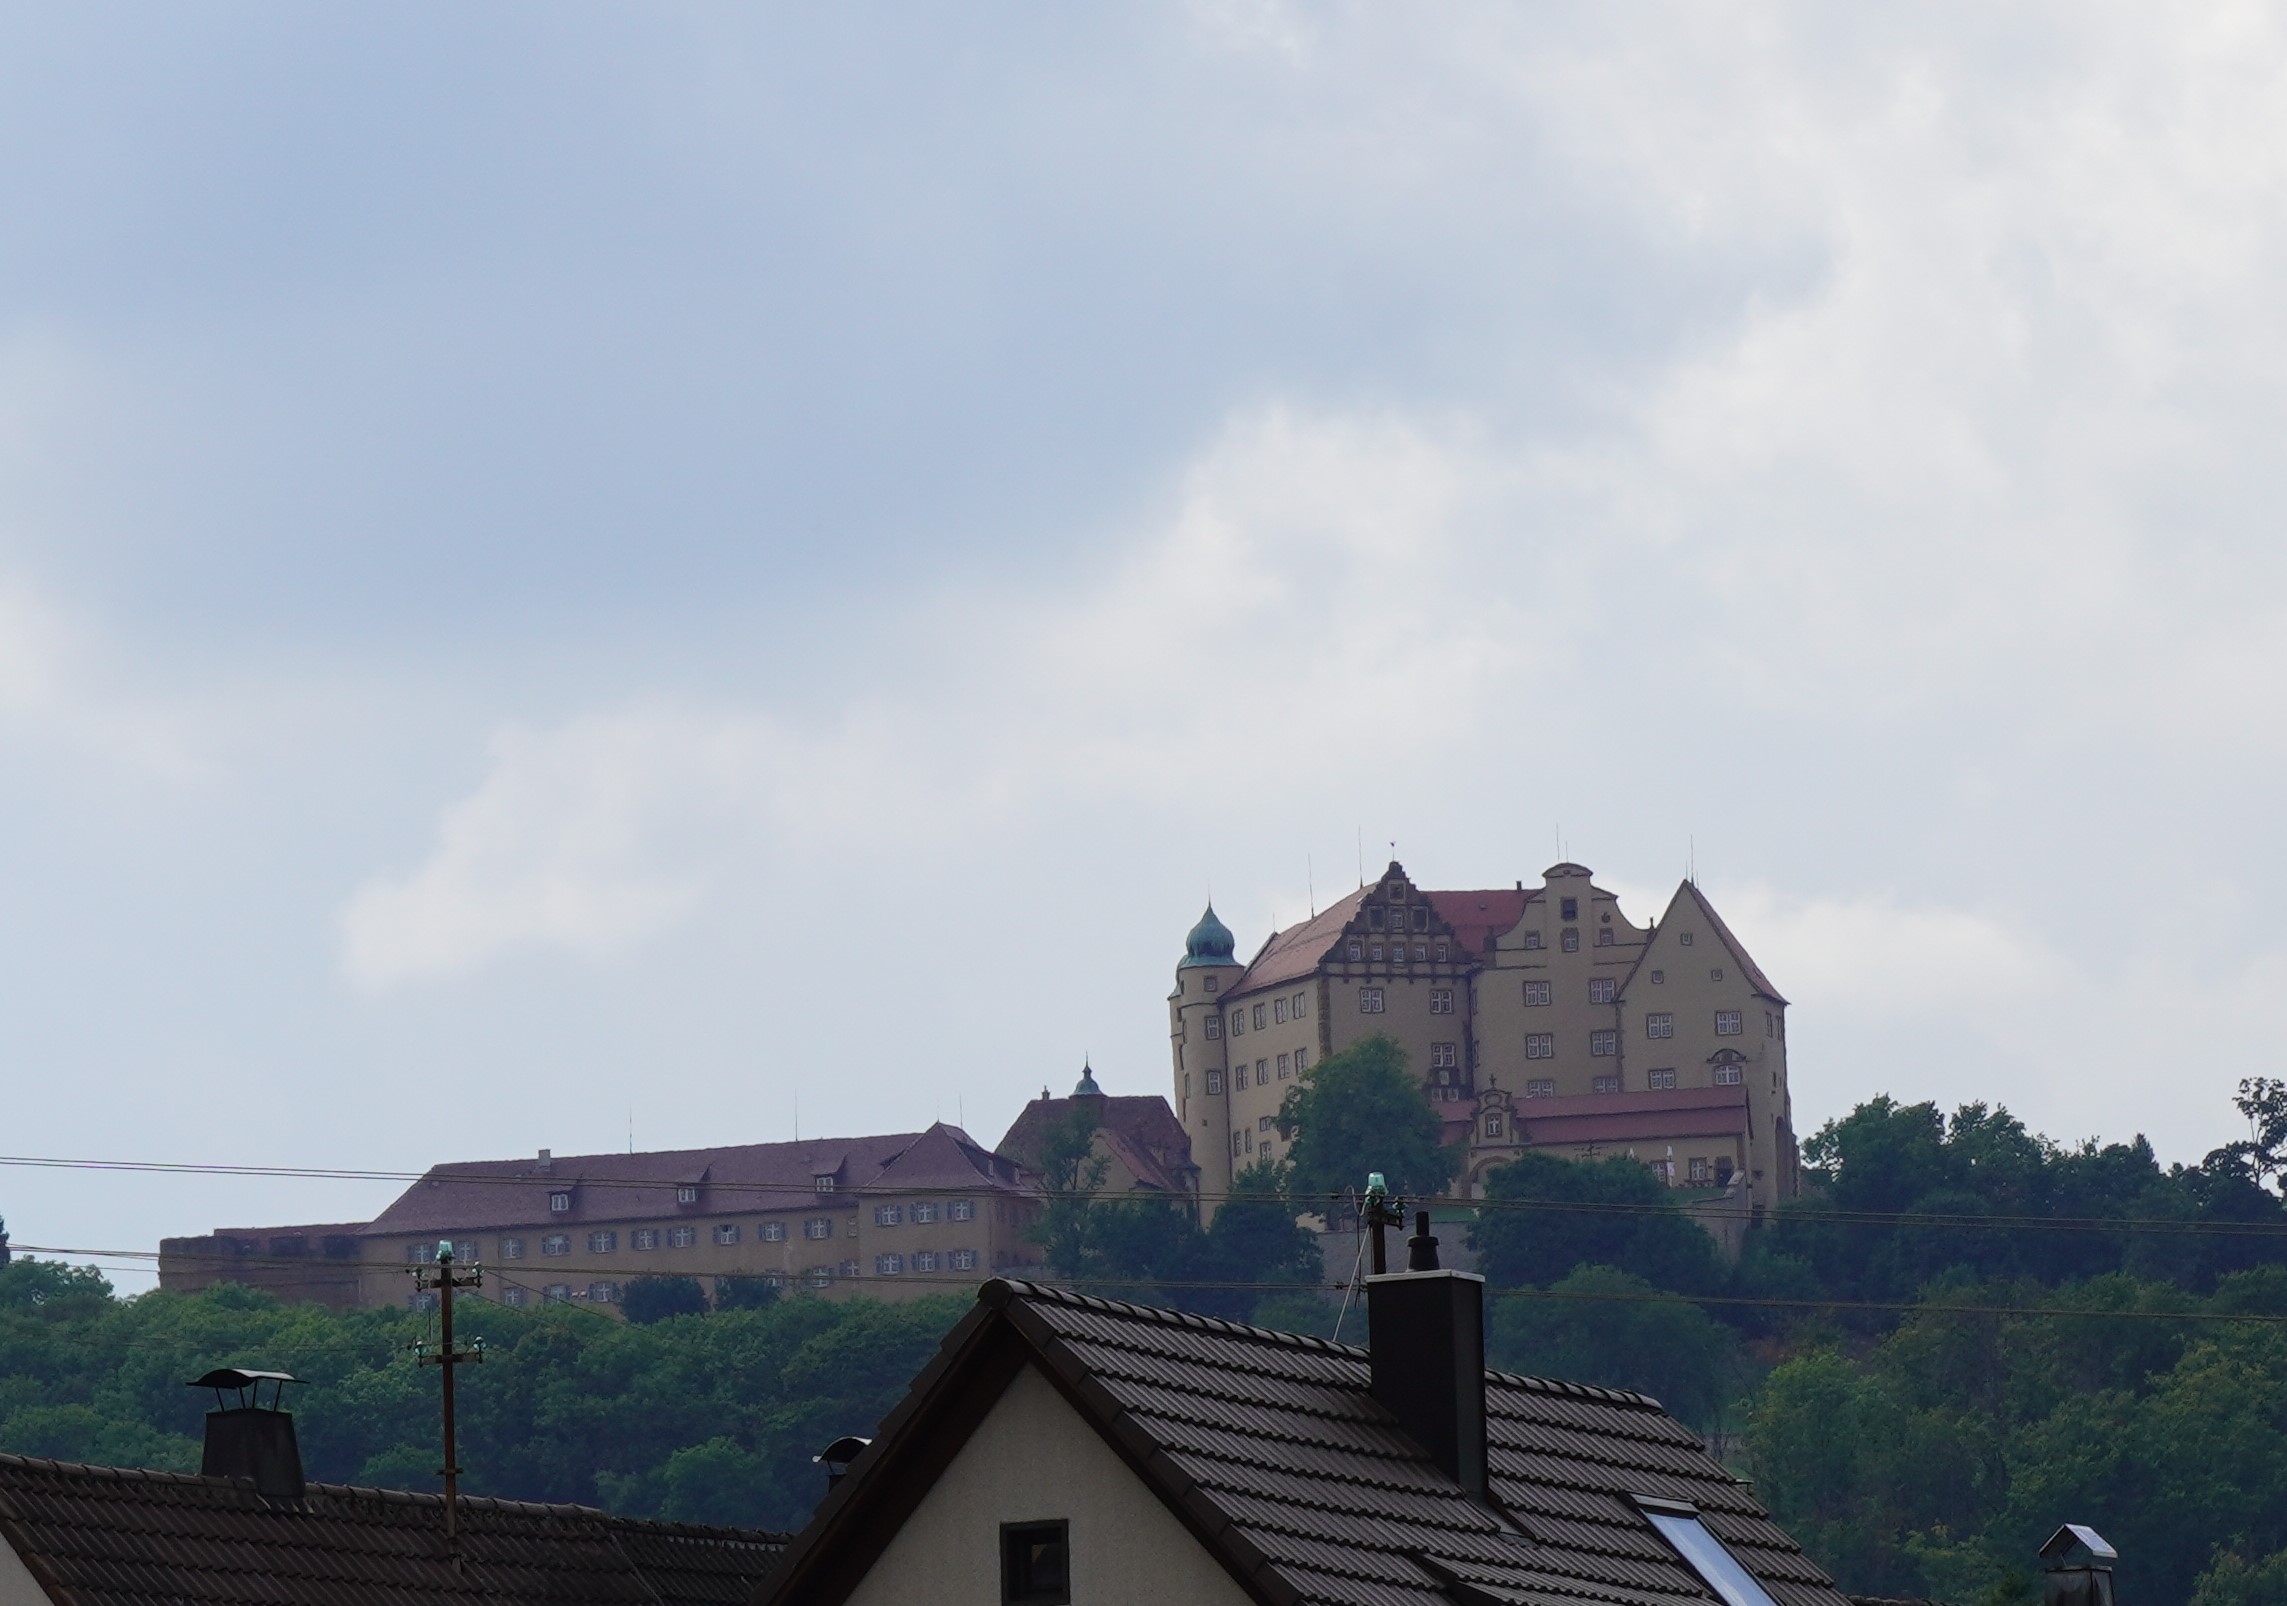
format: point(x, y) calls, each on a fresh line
point(249, 1439)
point(547, 1161)
point(2076, 1568)
point(1428, 1357)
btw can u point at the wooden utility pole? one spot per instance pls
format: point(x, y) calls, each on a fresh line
point(449, 1356)
point(1381, 1211)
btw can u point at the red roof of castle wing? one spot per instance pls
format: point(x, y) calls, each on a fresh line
point(1688, 1112)
point(118, 1536)
point(483, 1195)
point(1272, 1451)
point(1478, 917)
point(1299, 950)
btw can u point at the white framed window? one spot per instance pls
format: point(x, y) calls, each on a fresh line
point(1571, 942)
point(963, 1259)
point(1301, 1005)
point(1540, 1045)
point(1357, 949)
point(727, 1232)
point(1211, 981)
point(515, 1294)
point(1259, 1012)
point(603, 1243)
point(1443, 950)
point(559, 1203)
point(1263, 1124)
point(421, 1253)
point(682, 1237)
point(1603, 1043)
point(1239, 1077)
point(1727, 1074)
point(889, 1215)
point(1444, 1054)
point(556, 1243)
point(926, 1260)
point(1301, 1060)
point(1238, 1144)
point(1441, 1000)
point(1715, 975)
point(1605, 1084)
point(1659, 978)
point(1374, 952)
point(1695, 1169)
point(1533, 940)
point(1263, 1072)
point(1278, 1010)
point(818, 1227)
point(512, 1249)
point(1214, 1081)
point(1369, 1000)
point(818, 1277)
point(1493, 1125)
point(823, 1182)
point(686, 1193)
point(1727, 1023)
point(888, 1265)
point(643, 1238)
point(962, 1210)
point(1285, 1066)
point(557, 1293)
point(1539, 994)
point(1660, 1024)
point(1659, 1079)
point(925, 1212)
point(1602, 989)
point(1214, 1028)
point(1603, 936)
point(771, 1232)
point(1769, 1030)
point(1540, 1087)
point(1421, 953)
point(1238, 1023)
point(603, 1293)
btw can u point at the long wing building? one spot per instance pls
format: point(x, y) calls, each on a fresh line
point(1534, 1018)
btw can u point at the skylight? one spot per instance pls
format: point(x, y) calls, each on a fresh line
point(1705, 1554)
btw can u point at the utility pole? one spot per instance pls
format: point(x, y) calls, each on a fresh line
point(448, 1355)
point(1381, 1211)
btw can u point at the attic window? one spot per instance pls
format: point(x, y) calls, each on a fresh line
point(687, 1193)
point(823, 1182)
point(1036, 1563)
point(559, 1202)
point(1705, 1554)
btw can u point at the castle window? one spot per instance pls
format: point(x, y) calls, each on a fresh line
point(1397, 892)
point(1603, 1043)
point(1278, 1010)
point(513, 1295)
point(1374, 920)
point(1238, 1023)
point(1421, 918)
point(687, 1193)
point(1211, 981)
point(926, 1260)
point(1723, 1170)
point(1301, 1059)
point(1715, 975)
point(1685, 939)
point(1727, 1023)
point(818, 1227)
point(888, 1265)
point(512, 1249)
point(603, 1293)
point(1374, 952)
point(1238, 1144)
point(1258, 1020)
point(1602, 989)
point(1441, 1000)
point(1369, 1000)
point(1540, 1045)
point(1538, 995)
point(1214, 1028)
point(818, 1277)
point(1569, 908)
point(771, 1232)
point(1695, 1169)
point(1603, 936)
point(888, 1215)
point(924, 1213)
point(1571, 943)
point(1662, 1024)
point(1421, 953)
point(964, 1259)
point(1659, 1079)
point(1263, 1124)
point(1301, 1005)
point(1659, 978)
point(1214, 1081)
point(602, 1243)
point(1285, 1066)
point(823, 1182)
point(1492, 1126)
point(1540, 1087)
point(1442, 947)
point(962, 1210)
point(556, 1243)
point(727, 1232)
point(1357, 949)
point(643, 1238)
point(682, 1237)
point(1444, 1054)
point(557, 1293)
point(1533, 939)
point(1605, 1084)
point(1768, 1029)
point(1262, 1072)
point(559, 1202)
point(1727, 1075)
point(1239, 1077)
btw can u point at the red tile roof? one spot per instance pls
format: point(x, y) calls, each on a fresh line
point(1478, 917)
point(118, 1536)
point(1689, 1112)
point(1298, 950)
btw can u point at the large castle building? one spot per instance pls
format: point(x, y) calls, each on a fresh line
point(1534, 1019)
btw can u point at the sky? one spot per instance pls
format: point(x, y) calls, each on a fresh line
point(688, 574)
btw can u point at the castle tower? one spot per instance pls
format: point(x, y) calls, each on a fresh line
point(1201, 1092)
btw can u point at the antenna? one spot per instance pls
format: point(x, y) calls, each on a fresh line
point(1691, 860)
point(631, 1129)
point(1361, 855)
point(1310, 880)
point(798, 1115)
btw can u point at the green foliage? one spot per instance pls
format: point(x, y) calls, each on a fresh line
point(1359, 1112)
point(745, 1293)
point(1071, 1172)
point(1153, 1250)
point(1626, 1218)
point(654, 1299)
point(710, 1420)
point(1600, 1325)
point(2236, 1581)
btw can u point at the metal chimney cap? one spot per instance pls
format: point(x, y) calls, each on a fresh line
point(2075, 1536)
point(237, 1377)
point(841, 1452)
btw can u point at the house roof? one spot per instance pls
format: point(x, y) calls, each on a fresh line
point(1139, 1129)
point(118, 1536)
point(1684, 1112)
point(481, 1195)
point(1478, 917)
point(1747, 966)
point(1299, 949)
point(1272, 1450)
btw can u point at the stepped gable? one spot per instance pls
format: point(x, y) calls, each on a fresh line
point(116, 1536)
point(1272, 1450)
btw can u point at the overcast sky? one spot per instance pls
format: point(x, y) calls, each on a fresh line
point(720, 567)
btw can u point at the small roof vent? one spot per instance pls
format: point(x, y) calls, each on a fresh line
point(249, 1439)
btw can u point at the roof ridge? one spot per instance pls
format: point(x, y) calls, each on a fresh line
point(1161, 1316)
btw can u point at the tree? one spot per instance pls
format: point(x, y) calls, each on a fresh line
point(1358, 1112)
point(654, 1299)
point(1599, 1325)
point(1071, 1171)
point(1543, 1216)
point(2236, 1581)
point(3, 1240)
point(745, 1293)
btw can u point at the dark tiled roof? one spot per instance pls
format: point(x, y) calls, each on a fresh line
point(1272, 1449)
point(115, 1536)
point(1138, 1128)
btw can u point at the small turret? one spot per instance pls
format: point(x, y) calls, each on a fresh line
point(1087, 1087)
point(1210, 942)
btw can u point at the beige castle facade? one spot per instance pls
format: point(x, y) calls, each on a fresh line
point(1534, 1019)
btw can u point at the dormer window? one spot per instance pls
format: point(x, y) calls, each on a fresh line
point(687, 1193)
point(823, 1182)
point(559, 1202)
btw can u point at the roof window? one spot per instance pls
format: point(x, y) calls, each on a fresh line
point(1705, 1554)
point(559, 1202)
point(823, 1182)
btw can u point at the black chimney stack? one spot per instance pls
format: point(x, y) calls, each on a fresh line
point(250, 1439)
point(2076, 1568)
point(1428, 1357)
